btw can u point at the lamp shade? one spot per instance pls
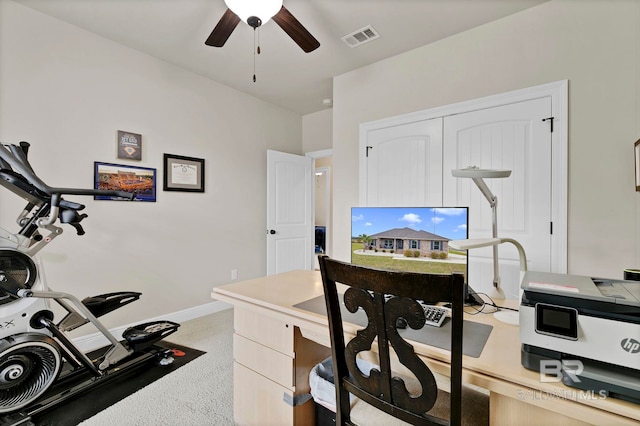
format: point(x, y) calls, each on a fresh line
point(478, 173)
point(263, 9)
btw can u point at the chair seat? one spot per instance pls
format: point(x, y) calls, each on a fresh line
point(475, 408)
point(475, 400)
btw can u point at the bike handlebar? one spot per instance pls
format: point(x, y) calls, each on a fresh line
point(16, 158)
point(18, 176)
point(10, 154)
point(105, 192)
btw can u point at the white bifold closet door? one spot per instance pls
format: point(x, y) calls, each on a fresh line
point(409, 164)
point(404, 165)
point(513, 137)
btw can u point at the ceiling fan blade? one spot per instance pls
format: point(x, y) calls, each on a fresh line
point(223, 29)
point(295, 30)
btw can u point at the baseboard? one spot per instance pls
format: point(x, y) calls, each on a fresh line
point(97, 340)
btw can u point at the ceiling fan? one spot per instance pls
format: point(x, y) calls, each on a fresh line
point(258, 12)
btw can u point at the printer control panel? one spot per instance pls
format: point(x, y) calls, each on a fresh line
point(556, 321)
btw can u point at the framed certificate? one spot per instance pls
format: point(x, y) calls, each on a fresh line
point(183, 173)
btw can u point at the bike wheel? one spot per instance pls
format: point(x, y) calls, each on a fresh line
point(29, 364)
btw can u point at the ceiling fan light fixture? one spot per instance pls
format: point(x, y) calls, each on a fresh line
point(261, 9)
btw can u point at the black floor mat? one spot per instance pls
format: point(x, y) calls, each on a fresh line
point(91, 402)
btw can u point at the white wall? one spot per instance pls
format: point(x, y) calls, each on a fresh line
point(67, 92)
point(594, 44)
point(317, 130)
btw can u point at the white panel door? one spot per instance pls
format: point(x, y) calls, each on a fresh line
point(510, 137)
point(289, 212)
point(404, 165)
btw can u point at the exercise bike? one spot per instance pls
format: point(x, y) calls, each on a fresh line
point(40, 366)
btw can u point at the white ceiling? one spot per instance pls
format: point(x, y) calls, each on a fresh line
point(175, 31)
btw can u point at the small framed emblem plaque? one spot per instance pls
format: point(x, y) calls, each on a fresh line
point(129, 145)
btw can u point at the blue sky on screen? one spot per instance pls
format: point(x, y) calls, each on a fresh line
point(449, 222)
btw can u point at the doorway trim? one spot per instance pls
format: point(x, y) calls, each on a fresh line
point(319, 154)
point(324, 153)
point(326, 176)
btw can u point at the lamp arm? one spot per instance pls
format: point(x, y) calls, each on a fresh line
point(480, 183)
point(523, 255)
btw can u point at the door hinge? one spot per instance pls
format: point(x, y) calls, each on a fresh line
point(551, 228)
point(551, 120)
point(368, 148)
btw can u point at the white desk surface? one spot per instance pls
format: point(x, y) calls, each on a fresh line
point(498, 368)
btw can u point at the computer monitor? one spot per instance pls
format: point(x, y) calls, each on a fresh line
point(414, 239)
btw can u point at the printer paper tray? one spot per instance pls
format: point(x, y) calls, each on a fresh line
point(604, 380)
point(599, 380)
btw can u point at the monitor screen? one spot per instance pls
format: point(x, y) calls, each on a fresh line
point(414, 239)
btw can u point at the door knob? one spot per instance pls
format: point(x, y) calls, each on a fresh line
point(272, 231)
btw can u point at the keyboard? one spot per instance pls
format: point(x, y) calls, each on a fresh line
point(434, 315)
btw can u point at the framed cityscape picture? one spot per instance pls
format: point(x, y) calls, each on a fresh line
point(119, 177)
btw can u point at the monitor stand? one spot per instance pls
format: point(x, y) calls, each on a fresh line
point(471, 298)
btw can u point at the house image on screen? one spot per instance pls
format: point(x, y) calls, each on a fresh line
point(402, 240)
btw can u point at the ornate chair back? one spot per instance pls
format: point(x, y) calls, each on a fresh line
point(390, 298)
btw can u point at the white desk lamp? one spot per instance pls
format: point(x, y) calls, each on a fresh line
point(508, 316)
point(478, 175)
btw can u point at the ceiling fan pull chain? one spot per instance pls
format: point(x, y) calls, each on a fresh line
point(254, 55)
point(258, 50)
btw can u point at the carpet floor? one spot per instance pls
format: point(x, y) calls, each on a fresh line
point(196, 390)
point(198, 394)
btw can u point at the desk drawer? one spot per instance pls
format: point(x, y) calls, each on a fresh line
point(263, 329)
point(272, 364)
point(258, 400)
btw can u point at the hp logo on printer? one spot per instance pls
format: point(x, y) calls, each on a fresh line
point(630, 345)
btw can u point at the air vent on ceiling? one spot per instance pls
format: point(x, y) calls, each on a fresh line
point(363, 35)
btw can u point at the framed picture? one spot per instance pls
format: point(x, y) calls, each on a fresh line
point(183, 173)
point(139, 180)
point(129, 145)
point(637, 156)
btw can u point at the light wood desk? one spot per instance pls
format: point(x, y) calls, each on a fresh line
point(276, 345)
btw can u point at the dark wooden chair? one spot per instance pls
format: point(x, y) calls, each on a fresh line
point(381, 387)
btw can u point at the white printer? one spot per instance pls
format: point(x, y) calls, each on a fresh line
point(589, 326)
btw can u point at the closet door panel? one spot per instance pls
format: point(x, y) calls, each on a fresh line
point(404, 165)
point(512, 137)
